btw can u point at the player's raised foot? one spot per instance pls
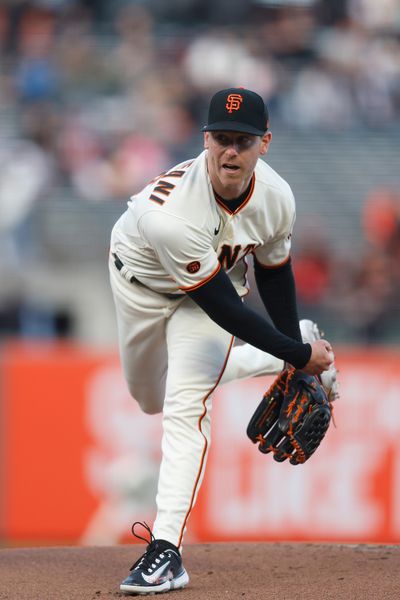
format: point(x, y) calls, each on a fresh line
point(310, 333)
point(160, 568)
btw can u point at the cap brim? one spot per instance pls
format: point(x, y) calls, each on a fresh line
point(233, 126)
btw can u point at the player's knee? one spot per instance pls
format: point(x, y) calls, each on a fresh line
point(150, 410)
point(149, 403)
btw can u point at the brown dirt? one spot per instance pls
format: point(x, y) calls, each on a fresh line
point(249, 571)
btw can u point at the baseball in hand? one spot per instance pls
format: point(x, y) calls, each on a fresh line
point(331, 355)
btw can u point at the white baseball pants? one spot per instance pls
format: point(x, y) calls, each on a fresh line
point(173, 357)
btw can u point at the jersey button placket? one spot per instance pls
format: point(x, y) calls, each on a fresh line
point(228, 229)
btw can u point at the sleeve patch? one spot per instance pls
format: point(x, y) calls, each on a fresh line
point(193, 267)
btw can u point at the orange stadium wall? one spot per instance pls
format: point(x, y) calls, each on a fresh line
point(79, 461)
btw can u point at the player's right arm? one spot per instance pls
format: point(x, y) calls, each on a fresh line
point(321, 358)
point(219, 299)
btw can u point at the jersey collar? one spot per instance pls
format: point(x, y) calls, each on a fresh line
point(232, 207)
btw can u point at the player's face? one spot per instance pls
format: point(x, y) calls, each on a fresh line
point(231, 159)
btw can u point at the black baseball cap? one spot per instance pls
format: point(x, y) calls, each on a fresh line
point(237, 109)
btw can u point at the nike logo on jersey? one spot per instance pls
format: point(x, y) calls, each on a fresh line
point(216, 229)
point(154, 577)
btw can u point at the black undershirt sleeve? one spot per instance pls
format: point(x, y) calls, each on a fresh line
point(277, 290)
point(219, 299)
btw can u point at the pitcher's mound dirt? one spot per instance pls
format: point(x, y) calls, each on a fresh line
point(219, 571)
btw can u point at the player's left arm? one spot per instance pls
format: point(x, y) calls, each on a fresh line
point(273, 270)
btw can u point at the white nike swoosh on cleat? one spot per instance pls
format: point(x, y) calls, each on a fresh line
point(154, 576)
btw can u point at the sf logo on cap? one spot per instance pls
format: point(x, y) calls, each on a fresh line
point(233, 102)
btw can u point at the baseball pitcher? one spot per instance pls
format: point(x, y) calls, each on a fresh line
point(178, 276)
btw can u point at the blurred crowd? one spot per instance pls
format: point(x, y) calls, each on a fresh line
point(360, 293)
point(97, 97)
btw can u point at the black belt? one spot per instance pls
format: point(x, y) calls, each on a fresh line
point(132, 279)
point(119, 264)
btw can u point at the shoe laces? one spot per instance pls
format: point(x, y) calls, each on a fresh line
point(154, 551)
point(143, 524)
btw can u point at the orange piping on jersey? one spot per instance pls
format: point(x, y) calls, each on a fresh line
point(245, 201)
point(203, 454)
point(271, 266)
point(197, 285)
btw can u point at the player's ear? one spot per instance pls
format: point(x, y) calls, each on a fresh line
point(265, 142)
point(206, 139)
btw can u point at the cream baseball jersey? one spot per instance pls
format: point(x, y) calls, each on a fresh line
point(176, 233)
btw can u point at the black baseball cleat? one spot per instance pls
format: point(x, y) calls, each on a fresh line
point(160, 568)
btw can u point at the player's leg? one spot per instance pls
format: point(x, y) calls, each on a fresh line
point(141, 322)
point(198, 350)
point(197, 353)
point(247, 361)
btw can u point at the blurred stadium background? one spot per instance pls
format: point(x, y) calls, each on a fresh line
point(97, 97)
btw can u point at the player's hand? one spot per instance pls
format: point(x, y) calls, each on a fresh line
point(321, 358)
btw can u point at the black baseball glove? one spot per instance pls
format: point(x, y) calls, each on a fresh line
point(292, 418)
